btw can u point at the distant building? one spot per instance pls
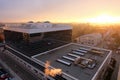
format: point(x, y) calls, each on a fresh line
point(13, 24)
point(1, 27)
point(90, 39)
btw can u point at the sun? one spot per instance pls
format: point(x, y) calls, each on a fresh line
point(104, 19)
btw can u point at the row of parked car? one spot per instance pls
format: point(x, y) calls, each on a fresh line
point(4, 75)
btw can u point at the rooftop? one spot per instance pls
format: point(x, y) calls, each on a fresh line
point(37, 27)
point(64, 58)
point(93, 35)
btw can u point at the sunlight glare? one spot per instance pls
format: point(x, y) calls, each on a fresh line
point(104, 19)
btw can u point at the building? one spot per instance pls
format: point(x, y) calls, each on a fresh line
point(77, 62)
point(118, 78)
point(90, 39)
point(13, 24)
point(74, 61)
point(32, 32)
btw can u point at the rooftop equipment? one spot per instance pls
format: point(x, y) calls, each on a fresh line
point(85, 63)
point(96, 52)
point(63, 62)
point(73, 55)
point(78, 53)
point(68, 58)
point(80, 50)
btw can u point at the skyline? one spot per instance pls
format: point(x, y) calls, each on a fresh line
point(56, 10)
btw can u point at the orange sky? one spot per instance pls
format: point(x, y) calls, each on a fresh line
point(57, 10)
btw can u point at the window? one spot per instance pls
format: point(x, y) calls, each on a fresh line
point(33, 35)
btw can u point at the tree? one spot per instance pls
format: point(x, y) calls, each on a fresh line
point(116, 36)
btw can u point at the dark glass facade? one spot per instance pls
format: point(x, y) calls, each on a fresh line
point(12, 36)
point(65, 35)
point(32, 44)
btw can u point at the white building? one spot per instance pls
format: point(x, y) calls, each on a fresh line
point(90, 39)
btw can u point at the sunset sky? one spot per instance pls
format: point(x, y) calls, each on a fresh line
point(57, 10)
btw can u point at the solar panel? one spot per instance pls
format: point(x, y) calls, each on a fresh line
point(79, 50)
point(78, 53)
point(68, 58)
point(64, 62)
point(73, 55)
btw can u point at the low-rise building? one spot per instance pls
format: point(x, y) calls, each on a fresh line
point(90, 39)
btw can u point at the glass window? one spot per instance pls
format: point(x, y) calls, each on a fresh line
point(33, 35)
